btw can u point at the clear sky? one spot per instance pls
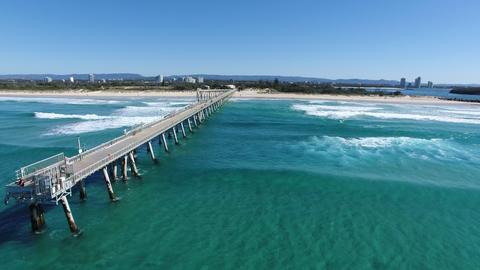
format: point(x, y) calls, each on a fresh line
point(370, 39)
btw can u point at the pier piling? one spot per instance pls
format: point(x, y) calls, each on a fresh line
point(195, 120)
point(83, 191)
point(133, 165)
point(109, 185)
point(175, 135)
point(183, 130)
point(124, 168)
point(37, 217)
point(164, 141)
point(150, 149)
point(68, 214)
point(190, 125)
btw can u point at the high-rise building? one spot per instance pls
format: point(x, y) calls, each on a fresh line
point(48, 79)
point(430, 84)
point(71, 79)
point(190, 80)
point(200, 80)
point(91, 78)
point(403, 83)
point(418, 82)
point(159, 79)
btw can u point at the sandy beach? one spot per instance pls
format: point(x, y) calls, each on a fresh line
point(249, 93)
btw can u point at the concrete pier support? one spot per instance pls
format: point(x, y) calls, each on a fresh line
point(183, 130)
point(150, 150)
point(164, 141)
point(109, 185)
point(133, 165)
point(190, 125)
point(37, 217)
point(113, 171)
point(83, 191)
point(68, 215)
point(175, 135)
point(124, 168)
point(195, 120)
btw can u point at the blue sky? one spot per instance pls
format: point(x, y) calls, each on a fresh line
point(371, 39)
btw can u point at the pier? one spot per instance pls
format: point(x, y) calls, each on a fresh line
point(50, 181)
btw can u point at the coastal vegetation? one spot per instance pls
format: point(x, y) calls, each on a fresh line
point(309, 88)
point(466, 90)
point(148, 85)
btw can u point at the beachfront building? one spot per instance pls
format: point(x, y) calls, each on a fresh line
point(71, 79)
point(418, 82)
point(48, 79)
point(190, 80)
point(200, 80)
point(159, 79)
point(403, 83)
point(91, 78)
point(430, 84)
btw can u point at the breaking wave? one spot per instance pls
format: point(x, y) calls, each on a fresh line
point(69, 101)
point(102, 124)
point(46, 115)
point(348, 112)
point(127, 116)
point(399, 147)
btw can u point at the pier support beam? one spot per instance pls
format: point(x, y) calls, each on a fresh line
point(68, 214)
point(124, 168)
point(164, 141)
point(195, 120)
point(37, 217)
point(133, 165)
point(109, 185)
point(83, 191)
point(113, 172)
point(190, 125)
point(183, 130)
point(150, 149)
point(134, 154)
point(175, 135)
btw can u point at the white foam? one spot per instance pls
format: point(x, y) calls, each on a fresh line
point(434, 148)
point(98, 125)
point(125, 117)
point(144, 111)
point(347, 112)
point(46, 115)
point(167, 103)
point(463, 112)
point(70, 101)
point(374, 142)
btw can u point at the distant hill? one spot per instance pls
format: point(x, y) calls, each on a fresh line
point(134, 76)
point(106, 76)
point(291, 79)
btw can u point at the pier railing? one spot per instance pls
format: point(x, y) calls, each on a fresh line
point(130, 132)
point(39, 166)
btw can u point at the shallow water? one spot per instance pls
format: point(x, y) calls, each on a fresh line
point(262, 185)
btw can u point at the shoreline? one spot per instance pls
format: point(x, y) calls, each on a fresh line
point(244, 94)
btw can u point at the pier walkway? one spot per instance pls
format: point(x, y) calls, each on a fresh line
point(51, 180)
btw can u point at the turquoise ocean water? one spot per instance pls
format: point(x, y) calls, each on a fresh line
point(263, 184)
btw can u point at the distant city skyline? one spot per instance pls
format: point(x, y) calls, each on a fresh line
point(439, 40)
